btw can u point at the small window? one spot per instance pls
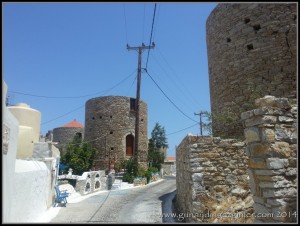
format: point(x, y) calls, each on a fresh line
point(111, 132)
point(110, 116)
point(250, 46)
point(111, 148)
point(247, 20)
point(78, 135)
point(256, 27)
point(132, 104)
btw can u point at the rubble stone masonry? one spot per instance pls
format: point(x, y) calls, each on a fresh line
point(208, 170)
point(271, 137)
point(252, 52)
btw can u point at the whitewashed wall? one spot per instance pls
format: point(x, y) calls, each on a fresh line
point(31, 190)
point(9, 152)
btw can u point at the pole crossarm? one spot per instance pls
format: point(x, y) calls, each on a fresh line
point(141, 47)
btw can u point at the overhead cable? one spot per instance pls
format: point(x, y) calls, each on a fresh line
point(73, 97)
point(151, 34)
point(169, 98)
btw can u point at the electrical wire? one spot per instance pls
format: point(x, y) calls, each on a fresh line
point(143, 23)
point(181, 83)
point(169, 98)
point(73, 97)
point(182, 94)
point(183, 129)
point(63, 115)
point(156, 22)
point(125, 23)
point(151, 34)
point(131, 84)
point(83, 105)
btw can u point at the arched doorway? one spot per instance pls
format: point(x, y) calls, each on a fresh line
point(129, 145)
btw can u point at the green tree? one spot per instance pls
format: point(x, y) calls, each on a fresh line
point(157, 142)
point(79, 156)
point(158, 136)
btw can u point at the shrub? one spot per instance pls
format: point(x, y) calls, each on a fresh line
point(153, 169)
point(128, 177)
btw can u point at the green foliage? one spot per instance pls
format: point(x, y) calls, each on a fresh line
point(156, 157)
point(153, 169)
point(129, 165)
point(141, 171)
point(78, 156)
point(128, 177)
point(158, 136)
point(120, 164)
point(157, 141)
point(148, 176)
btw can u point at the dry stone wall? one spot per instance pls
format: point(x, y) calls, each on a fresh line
point(208, 171)
point(271, 137)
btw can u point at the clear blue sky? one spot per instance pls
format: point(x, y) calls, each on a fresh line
point(78, 50)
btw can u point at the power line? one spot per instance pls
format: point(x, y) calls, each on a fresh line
point(73, 97)
point(143, 23)
point(169, 98)
point(178, 87)
point(62, 115)
point(83, 105)
point(125, 23)
point(151, 34)
point(156, 23)
point(183, 129)
point(131, 85)
point(181, 83)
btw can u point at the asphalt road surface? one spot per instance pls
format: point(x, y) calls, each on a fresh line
point(145, 204)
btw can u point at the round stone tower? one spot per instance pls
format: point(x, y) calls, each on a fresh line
point(110, 126)
point(252, 52)
point(65, 134)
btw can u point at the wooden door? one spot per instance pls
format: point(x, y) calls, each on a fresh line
point(129, 145)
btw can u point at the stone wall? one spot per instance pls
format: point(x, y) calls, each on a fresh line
point(252, 52)
point(169, 168)
point(208, 171)
point(108, 121)
point(271, 136)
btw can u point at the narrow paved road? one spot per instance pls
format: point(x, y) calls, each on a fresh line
point(136, 205)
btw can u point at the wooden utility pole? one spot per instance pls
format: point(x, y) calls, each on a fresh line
point(137, 100)
point(201, 113)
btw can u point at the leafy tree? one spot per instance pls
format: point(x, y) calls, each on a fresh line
point(79, 156)
point(157, 141)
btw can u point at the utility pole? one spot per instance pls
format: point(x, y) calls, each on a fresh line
point(201, 113)
point(137, 100)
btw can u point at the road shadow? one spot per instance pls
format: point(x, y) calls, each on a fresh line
point(170, 213)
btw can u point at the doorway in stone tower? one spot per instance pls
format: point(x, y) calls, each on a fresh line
point(129, 145)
